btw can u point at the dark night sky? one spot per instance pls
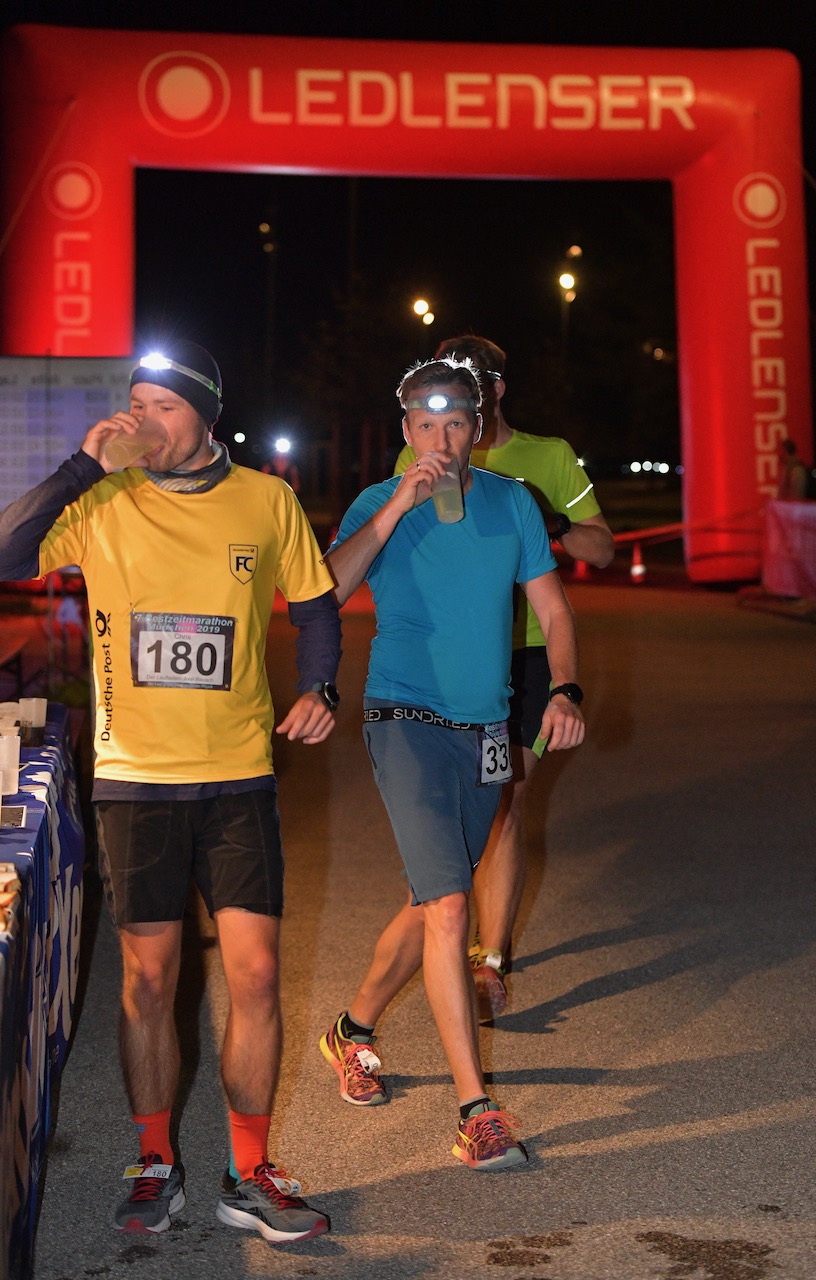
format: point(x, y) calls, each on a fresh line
point(486, 252)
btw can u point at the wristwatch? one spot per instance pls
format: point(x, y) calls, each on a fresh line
point(328, 693)
point(563, 524)
point(572, 691)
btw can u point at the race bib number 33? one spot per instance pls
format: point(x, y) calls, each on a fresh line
point(181, 650)
point(495, 763)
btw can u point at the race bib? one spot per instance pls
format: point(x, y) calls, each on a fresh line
point(181, 650)
point(495, 764)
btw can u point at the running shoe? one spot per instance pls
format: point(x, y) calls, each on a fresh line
point(488, 971)
point(356, 1066)
point(484, 1140)
point(157, 1193)
point(269, 1202)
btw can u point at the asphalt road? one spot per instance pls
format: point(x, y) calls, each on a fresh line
point(659, 1047)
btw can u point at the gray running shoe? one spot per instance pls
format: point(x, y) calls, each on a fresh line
point(157, 1193)
point(269, 1202)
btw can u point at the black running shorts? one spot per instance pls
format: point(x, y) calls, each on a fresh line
point(150, 850)
point(530, 678)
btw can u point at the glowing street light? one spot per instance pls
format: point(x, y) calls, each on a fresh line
point(568, 285)
point(422, 309)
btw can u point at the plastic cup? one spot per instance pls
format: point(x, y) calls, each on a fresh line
point(32, 721)
point(123, 449)
point(446, 492)
point(9, 764)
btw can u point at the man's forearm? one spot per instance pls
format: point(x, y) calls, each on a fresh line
point(351, 559)
point(24, 523)
point(318, 640)
point(562, 649)
point(557, 621)
point(590, 540)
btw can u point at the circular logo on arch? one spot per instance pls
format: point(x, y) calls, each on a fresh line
point(184, 94)
point(72, 190)
point(760, 200)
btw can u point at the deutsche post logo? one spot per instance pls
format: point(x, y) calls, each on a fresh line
point(243, 561)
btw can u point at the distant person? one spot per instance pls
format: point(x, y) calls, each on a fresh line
point(281, 465)
point(794, 477)
point(565, 494)
point(435, 710)
point(181, 553)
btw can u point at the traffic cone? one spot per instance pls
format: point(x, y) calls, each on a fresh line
point(637, 571)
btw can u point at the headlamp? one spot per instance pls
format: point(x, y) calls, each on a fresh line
point(155, 360)
point(437, 403)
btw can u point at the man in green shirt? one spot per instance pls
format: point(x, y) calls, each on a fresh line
point(551, 471)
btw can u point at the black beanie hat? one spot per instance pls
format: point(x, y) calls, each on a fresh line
point(192, 374)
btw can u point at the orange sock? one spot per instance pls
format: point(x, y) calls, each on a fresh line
point(250, 1135)
point(154, 1135)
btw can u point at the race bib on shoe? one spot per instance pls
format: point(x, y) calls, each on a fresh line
point(148, 1171)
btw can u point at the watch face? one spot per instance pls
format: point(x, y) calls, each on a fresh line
point(331, 696)
point(572, 691)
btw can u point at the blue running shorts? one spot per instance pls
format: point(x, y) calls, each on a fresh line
point(427, 776)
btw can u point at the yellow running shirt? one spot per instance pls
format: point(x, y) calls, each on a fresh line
point(180, 591)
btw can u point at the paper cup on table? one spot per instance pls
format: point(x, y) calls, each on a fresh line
point(9, 764)
point(32, 721)
point(9, 716)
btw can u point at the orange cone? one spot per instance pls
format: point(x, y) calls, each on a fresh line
point(637, 571)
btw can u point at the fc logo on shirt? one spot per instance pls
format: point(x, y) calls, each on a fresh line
point(243, 562)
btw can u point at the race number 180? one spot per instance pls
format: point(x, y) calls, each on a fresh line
point(171, 657)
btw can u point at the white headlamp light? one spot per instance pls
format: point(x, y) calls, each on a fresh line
point(155, 360)
point(437, 403)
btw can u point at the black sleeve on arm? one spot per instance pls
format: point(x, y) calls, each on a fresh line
point(318, 642)
point(24, 523)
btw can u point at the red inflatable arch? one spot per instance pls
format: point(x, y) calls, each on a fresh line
point(84, 108)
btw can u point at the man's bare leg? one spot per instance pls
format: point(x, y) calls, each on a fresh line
point(498, 885)
point(250, 1059)
point(450, 991)
point(148, 1039)
point(498, 882)
point(397, 957)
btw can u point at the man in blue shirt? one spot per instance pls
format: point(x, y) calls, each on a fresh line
point(436, 705)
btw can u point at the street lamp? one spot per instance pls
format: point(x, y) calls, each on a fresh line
point(422, 309)
point(567, 284)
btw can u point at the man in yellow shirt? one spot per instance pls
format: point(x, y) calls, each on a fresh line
point(182, 552)
point(550, 470)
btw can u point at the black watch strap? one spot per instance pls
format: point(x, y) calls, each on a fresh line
point(563, 524)
point(572, 691)
point(328, 693)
